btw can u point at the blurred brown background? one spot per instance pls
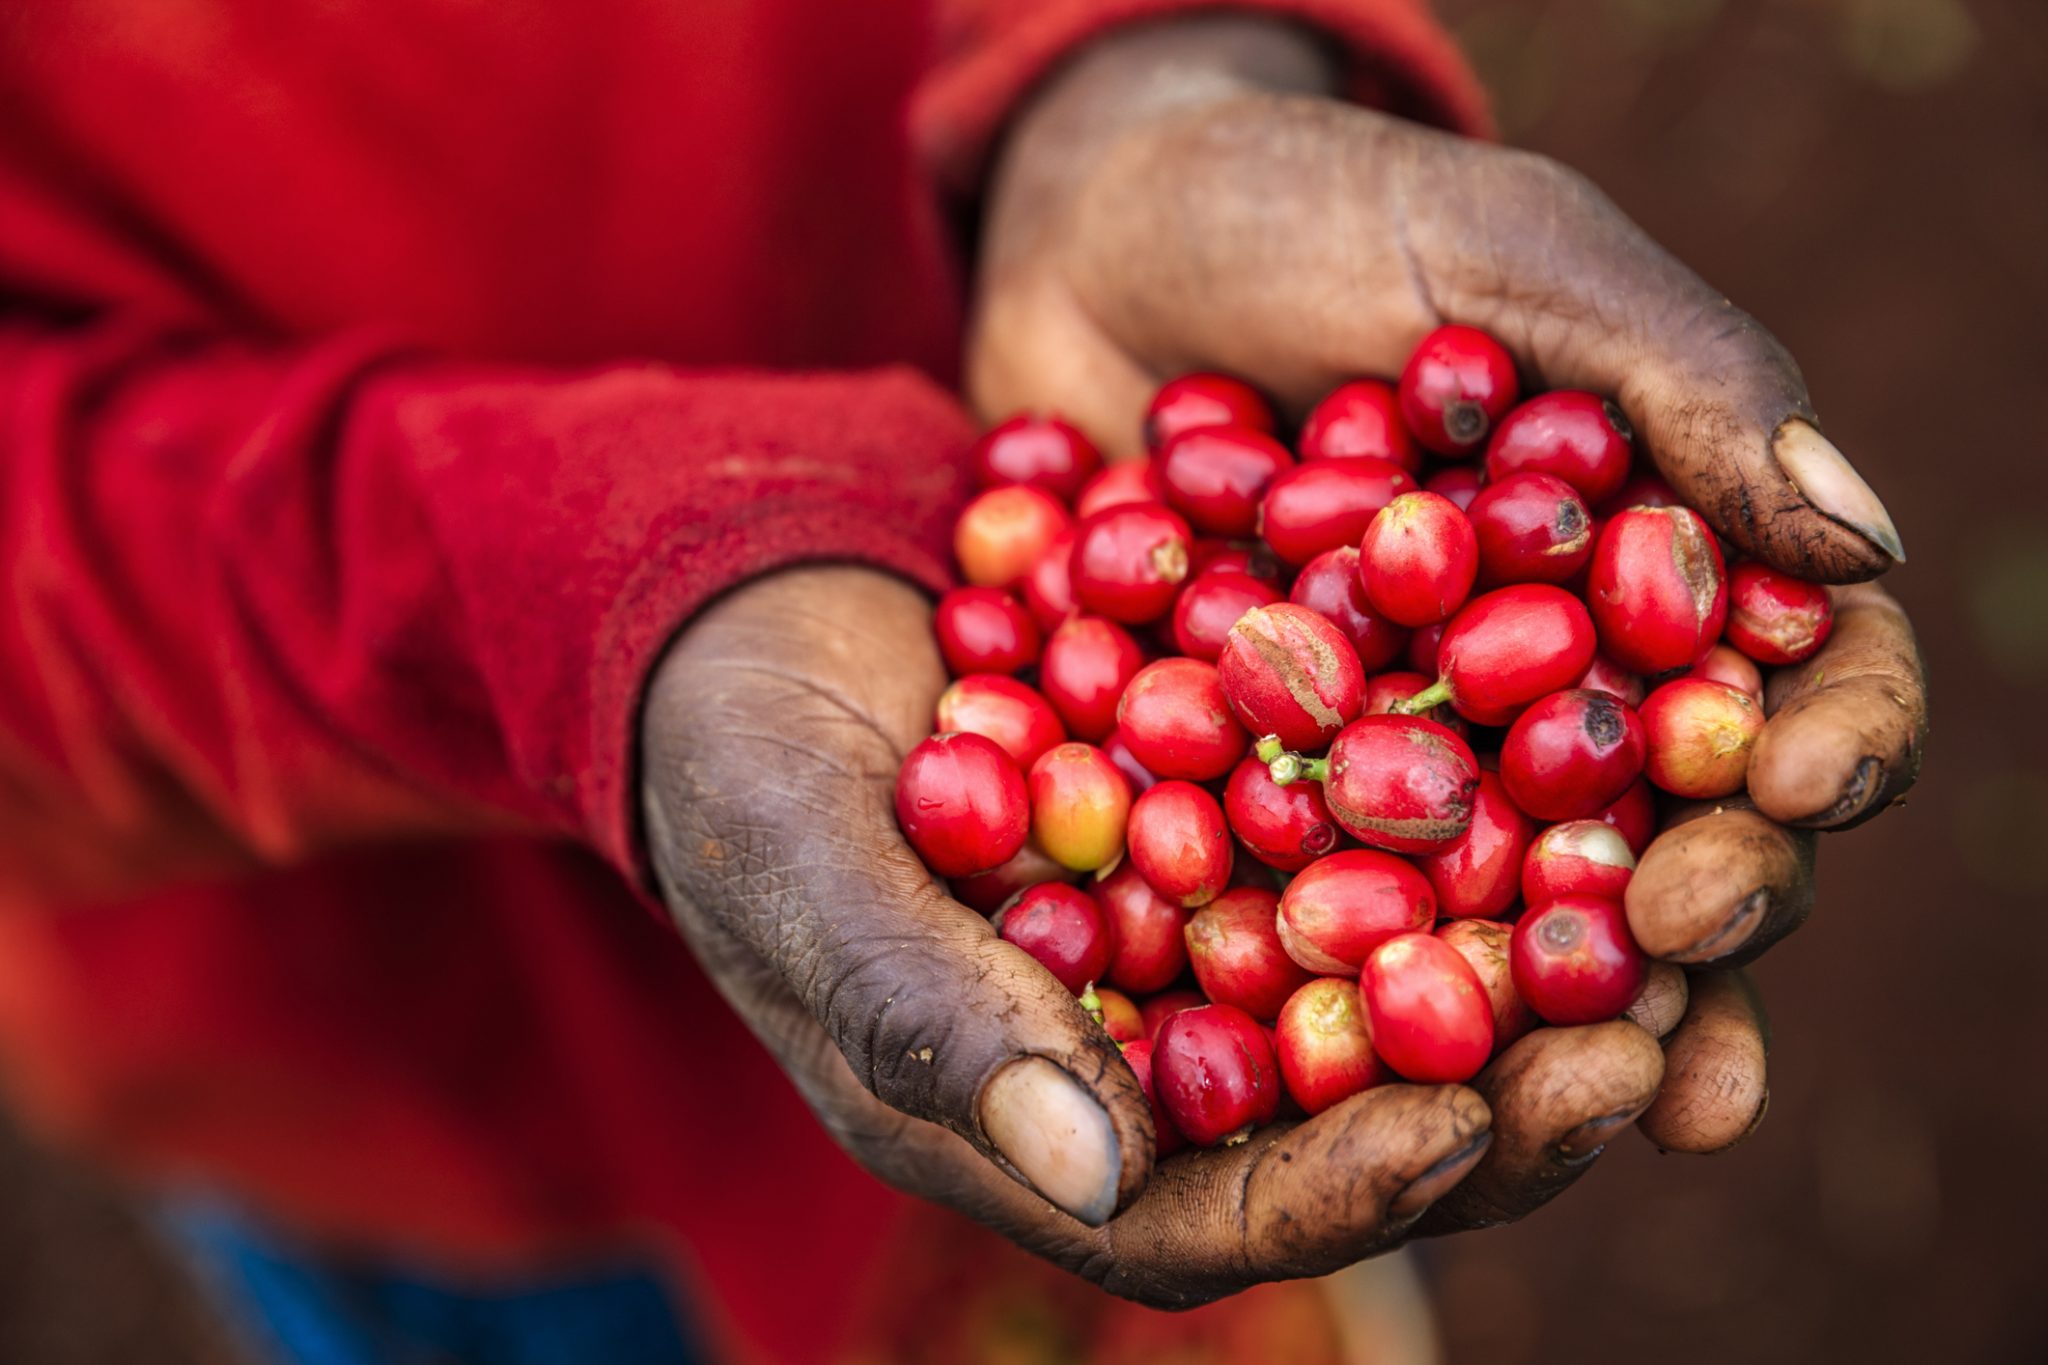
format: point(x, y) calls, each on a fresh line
point(1870, 177)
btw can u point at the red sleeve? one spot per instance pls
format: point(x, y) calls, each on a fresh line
point(271, 600)
point(992, 52)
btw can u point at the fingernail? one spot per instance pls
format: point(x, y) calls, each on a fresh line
point(1436, 1182)
point(1056, 1136)
point(1588, 1140)
point(1736, 930)
point(1831, 484)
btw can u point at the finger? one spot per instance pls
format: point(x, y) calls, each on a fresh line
point(1661, 1003)
point(1533, 253)
point(1715, 1085)
point(1721, 883)
point(1049, 345)
point(1847, 727)
point(1558, 1096)
point(768, 802)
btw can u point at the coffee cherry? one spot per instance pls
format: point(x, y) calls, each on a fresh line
point(1004, 710)
point(1427, 1014)
point(1194, 401)
point(1180, 843)
point(985, 630)
point(1329, 586)
point(1151, 952)
point(1775, 618)
point(960, 802)
point(1478, 874)
point(1048, 585)
point(1727, 664)
point(1216, 476)
point(1004, 531)
point(1325, 1057)
point(1079, 803)
point(1456, 385)
point(1531, 528)
point(1316, 507)
point(1141, 778)
point(1604, 675)
point(1571, 754)
point(1458, 482)
point(1577, 858)
point(1045, 452)
point(1400, 783)
point(1176, 722)
point(1360, 420)
point(1130, 561)
point(988, 892)
point(1418, 559)
point(1156, 1010)
point(1575, 962)
point(1213, 602)
point(1506, 649)
point(1087, 664)
point(1165, 1137)
point(1342, 907)
point(1283, 827)
point(1656, 589)
point(1485, 944)
point(1700, 735)
point(1578, 437)
point(1115, 1011)
point(1634, 816)
point(1062, 928)
point(1214, 1070)
point(1237, 956)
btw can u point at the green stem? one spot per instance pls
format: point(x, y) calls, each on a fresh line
point(1436, 694)
point(1269, 748)
point(1092, 1002)
point(1290, 768)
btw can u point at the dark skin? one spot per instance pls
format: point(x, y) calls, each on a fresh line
point(1191, 195)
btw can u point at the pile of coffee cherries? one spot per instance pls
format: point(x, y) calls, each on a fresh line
point(1308, 770)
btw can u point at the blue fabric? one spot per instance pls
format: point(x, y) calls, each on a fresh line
point(293, 1306)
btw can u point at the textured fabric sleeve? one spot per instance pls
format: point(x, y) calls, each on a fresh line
point(267, 601)
point(992, 52)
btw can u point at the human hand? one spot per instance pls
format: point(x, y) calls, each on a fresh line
point(948, 1061)
point(1189, 196)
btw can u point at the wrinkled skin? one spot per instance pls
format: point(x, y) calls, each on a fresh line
point(1186, 195)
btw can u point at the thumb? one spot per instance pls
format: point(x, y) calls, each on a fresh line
point(1533, 253)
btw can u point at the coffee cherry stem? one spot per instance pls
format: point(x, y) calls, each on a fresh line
point(1430, 697)
point(1092, 1003)
point(1269, 748)
point(1290, 768)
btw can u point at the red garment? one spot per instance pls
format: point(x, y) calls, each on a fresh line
point(360, 448)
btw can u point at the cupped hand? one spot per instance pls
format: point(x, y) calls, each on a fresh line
point(1191, 196)
point(950, 1063)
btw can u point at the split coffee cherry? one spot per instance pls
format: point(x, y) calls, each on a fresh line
point(1166, 1138)
point(1004, 710)
point(1001, 534)
point(1181, 845)
point(1634, 816)
point(1575, 962)
point(1079, 803)
point(1603, 675)
point(1316, 507)
point(1216, 476)
point(1485, 946)
point(1727, 664)
point(1325, 1057)
point(987, 892)
point(1531, 528)
point(1400, 783)
point(1578, 437)
point(1151, 951)
point(1577, 858)
point(1283, 827)
point(1571, 754)
point(1213, 602)
point(1087, 664)
point(1290, 674)
point(1176, 722)
point(1775, 618)
point(1237, 956)
point(1700, 737)
point(1455, 387)
point(1156, 1010)
point(1418, 559)
point(1062, 928)
point(1045, 452)
point(1120, 485)
point(1504, 650)
point(1329, 586)
point(1129, 561)
point(1048, 585)
point(985, 630)
point(1339, 909)
point(1656, 589)
point(1360, 420)
point(1478, 874)
point(1426, 1013)
point(1195, 401)
point(1458, 482)
point(1214, 1070)
point(961, 804)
